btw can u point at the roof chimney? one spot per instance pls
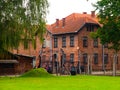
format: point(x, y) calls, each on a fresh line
point(84, 12)
point(93, 14)
point(57, 22)
point(63, 22)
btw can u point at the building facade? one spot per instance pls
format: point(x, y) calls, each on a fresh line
point(14, 64)
point(67, 42)
point(71, 44)
point(30, 51)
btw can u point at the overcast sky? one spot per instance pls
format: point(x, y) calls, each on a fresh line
point(62, 8)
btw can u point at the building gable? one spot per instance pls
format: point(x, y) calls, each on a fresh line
point(72, 23)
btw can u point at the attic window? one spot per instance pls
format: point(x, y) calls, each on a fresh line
point(90, 27)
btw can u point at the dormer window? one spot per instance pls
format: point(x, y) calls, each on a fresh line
point(90, 27)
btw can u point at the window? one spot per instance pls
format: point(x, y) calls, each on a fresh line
point(44, 43)
point(85, 58)
point(55, 56)
point(55, 42)
point(106, 58)
point(95, 58)
point(72, 57)
point(117, 60)
point(64, 41)
point(63, 59)
point(64, 56)
point(87, 27)
point(85, 41)
point(106, 45)
point(95, 43)
point(72, 41)
point(90, 27)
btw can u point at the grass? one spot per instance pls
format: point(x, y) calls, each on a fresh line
point(49, 82)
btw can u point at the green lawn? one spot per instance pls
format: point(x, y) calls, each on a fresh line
point(39, 79)
point(61, 83)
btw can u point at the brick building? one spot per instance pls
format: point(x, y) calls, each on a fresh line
point(71, 40)
point(12, 64)
point(67, 42)
point(30, 51)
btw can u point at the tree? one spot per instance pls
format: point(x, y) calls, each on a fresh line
point(21, 20)
point(109, 16)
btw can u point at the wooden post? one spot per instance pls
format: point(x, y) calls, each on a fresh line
point(88, 65)
point(79, 61)
point(91, 64)
point(103, 66)
point(114, 64)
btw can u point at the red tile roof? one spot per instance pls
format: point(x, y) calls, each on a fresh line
point(73, 23)
point(49, 28)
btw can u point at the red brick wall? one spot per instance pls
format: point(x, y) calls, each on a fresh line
point(24, 65)
point(78, 42)
point(30, 51)
point(67, 50)
point(90, 50)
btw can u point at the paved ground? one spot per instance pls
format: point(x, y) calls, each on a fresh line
point(101, 73)
point(105, 73)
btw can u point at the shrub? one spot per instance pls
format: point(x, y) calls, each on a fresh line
point(39, 72)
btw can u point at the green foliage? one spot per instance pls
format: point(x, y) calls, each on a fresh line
point(21, 20)
point(93, 35)
point(108, 12)
point(40, 72)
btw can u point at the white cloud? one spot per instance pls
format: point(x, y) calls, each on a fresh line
point(62, 8)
